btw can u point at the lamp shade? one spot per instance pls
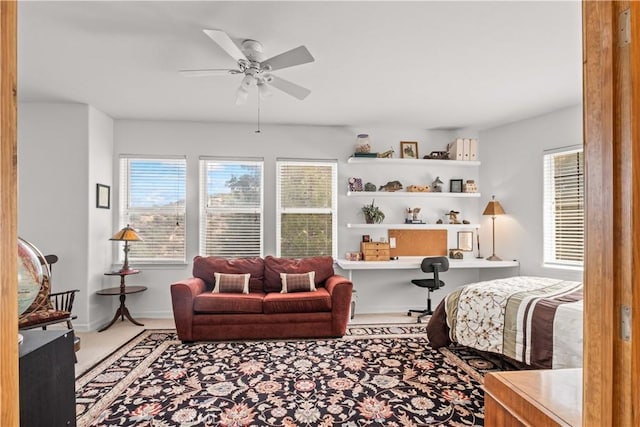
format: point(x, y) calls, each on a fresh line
point(127, 234)
point(493, 208)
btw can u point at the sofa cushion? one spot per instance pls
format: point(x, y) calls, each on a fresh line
point(205, 267)
point(292, 282)
point(228, 303)
point(299, 302)
point(322, 266)
point(231, 283)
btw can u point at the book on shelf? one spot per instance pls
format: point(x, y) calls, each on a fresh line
point(365, 154)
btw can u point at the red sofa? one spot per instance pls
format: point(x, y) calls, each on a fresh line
point(264, 312)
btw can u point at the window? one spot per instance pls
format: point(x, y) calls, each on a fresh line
point(564, 208)
point(231, 206)
point(306, 208)
point(152, 200)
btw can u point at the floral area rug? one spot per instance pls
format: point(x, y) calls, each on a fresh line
point(375, 375)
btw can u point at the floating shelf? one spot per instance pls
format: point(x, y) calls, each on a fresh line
point(411, 194)
point(412, 162)
point(403, 226)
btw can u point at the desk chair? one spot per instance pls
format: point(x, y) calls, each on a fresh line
point(433, 265)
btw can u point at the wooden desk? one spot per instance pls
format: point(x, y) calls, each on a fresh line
point(123, 290)
point(537, 398)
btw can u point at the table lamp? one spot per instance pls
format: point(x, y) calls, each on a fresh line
point(493, 208)
point(126, 235)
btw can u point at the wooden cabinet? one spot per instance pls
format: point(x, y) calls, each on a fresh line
point(47, 379)
point(375, 251)
point(538, 398)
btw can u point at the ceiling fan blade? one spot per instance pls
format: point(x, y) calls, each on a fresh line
point(287, 87)
point(297, 56)
point(208, 72)
point(225, 42)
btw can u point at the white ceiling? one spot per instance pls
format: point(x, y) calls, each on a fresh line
point(430, 65)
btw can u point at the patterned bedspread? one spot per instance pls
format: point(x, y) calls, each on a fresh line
point(534, 320)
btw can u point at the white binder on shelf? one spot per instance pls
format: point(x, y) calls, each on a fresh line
point(456, 149)
point(473, 149)
point(465, 148)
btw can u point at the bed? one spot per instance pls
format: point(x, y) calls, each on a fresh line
point(533, 320)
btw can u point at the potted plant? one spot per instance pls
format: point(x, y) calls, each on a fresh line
point(372, 213)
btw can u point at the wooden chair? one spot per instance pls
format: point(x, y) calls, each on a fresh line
point(50, 308)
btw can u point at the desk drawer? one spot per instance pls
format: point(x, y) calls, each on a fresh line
point(375, 251)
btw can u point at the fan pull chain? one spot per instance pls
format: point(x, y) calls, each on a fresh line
point(258, 130)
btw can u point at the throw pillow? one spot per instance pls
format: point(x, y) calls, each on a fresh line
point(292, 282)
point(231, 283)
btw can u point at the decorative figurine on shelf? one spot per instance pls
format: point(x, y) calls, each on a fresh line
point(439, 221)
point(413, 216)
point(355, 184)
point(391, 186)
point(418, 189)
point(372, 213)
point(437, 155)
point(370, 186)
point(436, 186)
point(386, 154)
point(453, 217)
point(363, 143)
point(470, 186)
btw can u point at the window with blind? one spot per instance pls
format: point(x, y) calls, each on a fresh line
point(231, 207)
point(306, 208)
point(152, 200)
point(564, 208)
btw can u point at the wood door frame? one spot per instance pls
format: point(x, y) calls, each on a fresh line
point(611, 366)
point(612, 162)
point(9, 402)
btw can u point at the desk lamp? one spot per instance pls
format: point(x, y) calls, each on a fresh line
point(493, 208)
point(126, 235)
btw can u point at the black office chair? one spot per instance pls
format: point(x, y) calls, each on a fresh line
point(433, 265)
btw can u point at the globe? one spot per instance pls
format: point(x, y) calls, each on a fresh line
point(30, 275)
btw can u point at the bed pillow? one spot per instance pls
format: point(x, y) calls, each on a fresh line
point(231, 283)
point(298, 282)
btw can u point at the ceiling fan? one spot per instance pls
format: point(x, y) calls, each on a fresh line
point(256, 70)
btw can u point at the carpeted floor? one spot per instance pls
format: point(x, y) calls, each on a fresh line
point(376, 375)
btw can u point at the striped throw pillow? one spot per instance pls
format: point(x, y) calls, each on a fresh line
point(231, 283)
point(292, 282)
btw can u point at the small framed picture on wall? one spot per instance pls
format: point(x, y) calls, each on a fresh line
point(103, 196)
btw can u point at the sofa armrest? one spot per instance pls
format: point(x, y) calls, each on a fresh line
point(340, 289)
point(182, 296)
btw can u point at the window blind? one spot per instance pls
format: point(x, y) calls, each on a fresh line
point(306, 208)
point(564, 208)
point(152, 200)
point(231, 208)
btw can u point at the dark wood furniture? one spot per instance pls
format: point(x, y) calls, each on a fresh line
point(61, 302)
point(539, 398)
point(122, 291)
point(47, 379)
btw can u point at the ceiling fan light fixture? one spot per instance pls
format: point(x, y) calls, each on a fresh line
point(242, 95)
point(264, 90)
point(247, 81)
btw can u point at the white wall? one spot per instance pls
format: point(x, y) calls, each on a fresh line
point(512, 168)
point(52, 190)
point(65, 149)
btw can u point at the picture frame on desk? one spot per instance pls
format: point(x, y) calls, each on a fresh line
point(409, 149)
point(465, 241)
